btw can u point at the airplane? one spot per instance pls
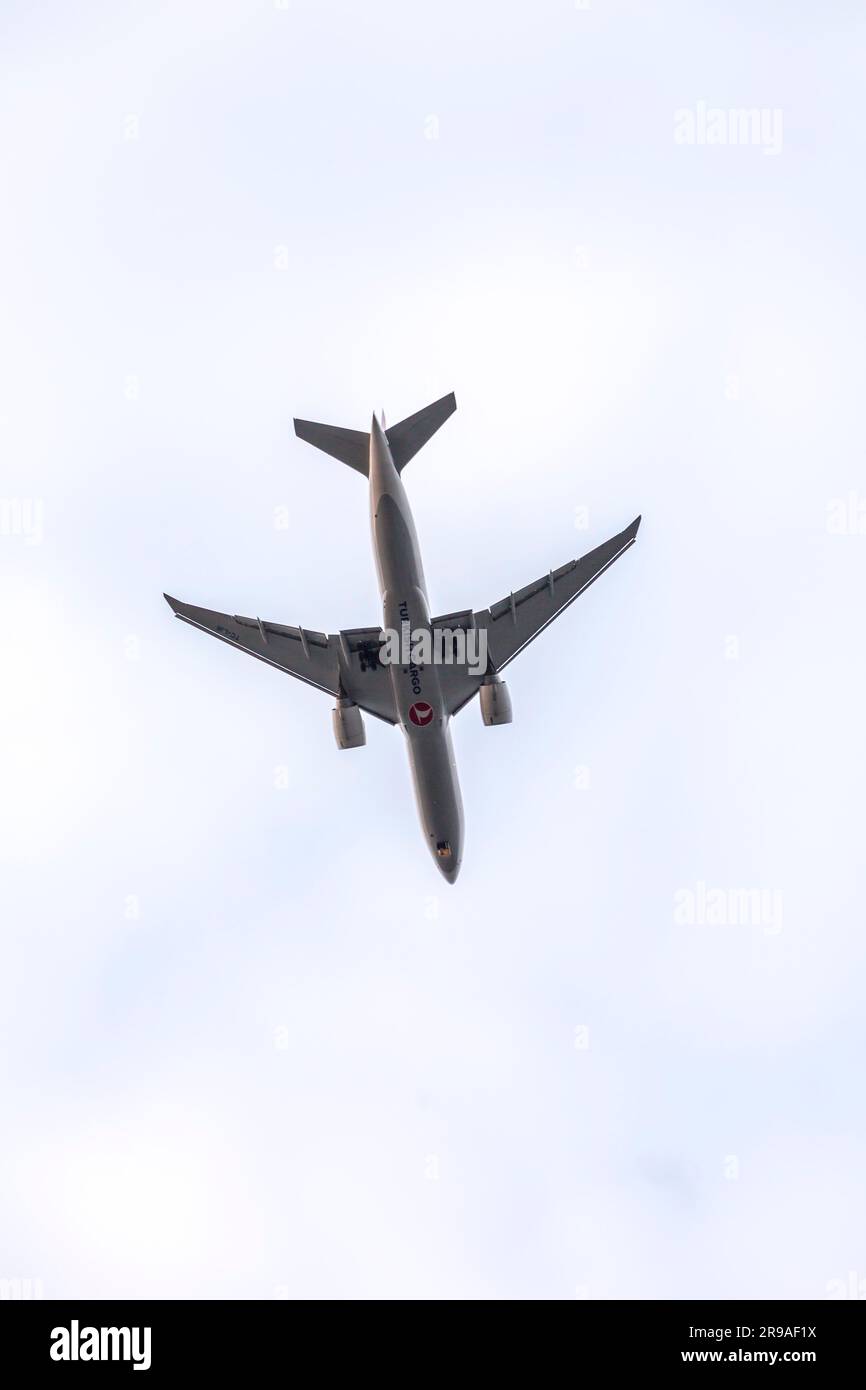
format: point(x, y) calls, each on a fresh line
point(419, 697)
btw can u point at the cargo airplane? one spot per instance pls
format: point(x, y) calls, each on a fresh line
point(421, 698)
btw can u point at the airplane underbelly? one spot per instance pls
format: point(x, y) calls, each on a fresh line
point(398, 557)
point(417, 692)
point(437, 793)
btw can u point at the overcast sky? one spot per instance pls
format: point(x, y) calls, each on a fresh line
point(252, 1044)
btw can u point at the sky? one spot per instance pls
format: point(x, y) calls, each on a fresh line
point(252, 1044)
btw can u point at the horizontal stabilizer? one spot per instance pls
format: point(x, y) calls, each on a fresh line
point(407, 437)
point(349, 446)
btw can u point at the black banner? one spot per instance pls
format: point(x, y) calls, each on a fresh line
point(223, 1339)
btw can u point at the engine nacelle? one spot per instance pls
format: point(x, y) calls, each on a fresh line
point(495, 701)
point(348, 725)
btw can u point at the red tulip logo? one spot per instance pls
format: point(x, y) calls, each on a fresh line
point(421, 713)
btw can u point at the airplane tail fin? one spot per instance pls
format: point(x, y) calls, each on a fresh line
point(404, 439)
point(411, 434)
point(349, 446)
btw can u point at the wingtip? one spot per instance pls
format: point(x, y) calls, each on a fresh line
point(173, 603)
point(635, 526)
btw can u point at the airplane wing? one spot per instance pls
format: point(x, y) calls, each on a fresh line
point(513, 622)
point(343, 663)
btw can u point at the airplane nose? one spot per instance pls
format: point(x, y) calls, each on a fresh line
point(447, 856)
point(449, 872)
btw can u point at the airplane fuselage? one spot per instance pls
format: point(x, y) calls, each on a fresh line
point(421, 708)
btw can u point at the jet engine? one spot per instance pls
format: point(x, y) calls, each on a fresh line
point(495, 701)
point(348, 725)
